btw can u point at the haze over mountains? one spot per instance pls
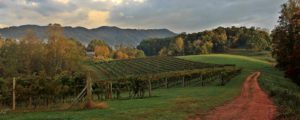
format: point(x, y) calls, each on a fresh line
point(112, 35)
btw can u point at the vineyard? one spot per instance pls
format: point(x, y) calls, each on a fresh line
point(136, 76)
point(178, 102)
point(118, 79)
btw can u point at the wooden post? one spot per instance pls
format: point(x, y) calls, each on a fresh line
point(89, 93)
point(222, 81)
point(183, 82)
point(14, 95)
point(166, 82)
point(150, 87)
point(201, 78)
point(129, 89)
point(110, 90)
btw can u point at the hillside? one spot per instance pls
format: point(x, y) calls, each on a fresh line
point(111, 35)
point(217, 40)
point(261, 55)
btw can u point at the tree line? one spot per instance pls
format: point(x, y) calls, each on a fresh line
point(102, 51)
point(286, 40)
point(210, 41)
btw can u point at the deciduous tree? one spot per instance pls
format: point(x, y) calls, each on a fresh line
point(286, 40)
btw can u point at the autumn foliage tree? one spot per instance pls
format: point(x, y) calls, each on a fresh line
point(176, 47)
point(94, 43)
point(125, 52)
point(62, 53)
point(286, 38)
point(45, 71)
point(102, 52)
point(120, 55)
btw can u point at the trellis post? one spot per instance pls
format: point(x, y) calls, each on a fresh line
point(166, 82)
point(202, 80)
point(183, 82)
point(222, 81)
point(149, 87)
point(110, 90)
point(89, 88)
point(14, 94)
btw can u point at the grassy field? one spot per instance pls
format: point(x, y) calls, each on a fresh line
point(176, 103)
point(261, 55)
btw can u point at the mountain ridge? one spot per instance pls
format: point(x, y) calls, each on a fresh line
point(111, 34)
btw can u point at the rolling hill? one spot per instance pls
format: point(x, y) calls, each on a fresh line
point(112, 35)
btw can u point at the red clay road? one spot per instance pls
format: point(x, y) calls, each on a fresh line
point(252, 104)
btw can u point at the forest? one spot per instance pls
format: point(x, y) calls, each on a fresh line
point(104, 52)
point(218, 40)
point(286, 40)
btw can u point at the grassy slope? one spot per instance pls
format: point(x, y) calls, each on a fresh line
point(175, 103)
point(261, 55)
point(285, 94)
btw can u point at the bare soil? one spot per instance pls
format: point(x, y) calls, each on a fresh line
point(252, 104)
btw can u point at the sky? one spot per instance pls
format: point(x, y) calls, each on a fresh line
point(176, 15)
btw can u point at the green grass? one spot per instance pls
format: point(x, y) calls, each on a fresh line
point(261, 55)
point(175, 103)
point(284, 93)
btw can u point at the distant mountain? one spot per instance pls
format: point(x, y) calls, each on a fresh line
point(112, 35)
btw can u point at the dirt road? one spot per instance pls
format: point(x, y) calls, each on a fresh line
point(252, 104)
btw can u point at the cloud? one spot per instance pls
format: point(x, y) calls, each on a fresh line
point(139, 1)
point(197, 15)
point(97, 18)
point(177, 15)
point(117, 2)
point(3, 26)
point(63, 1)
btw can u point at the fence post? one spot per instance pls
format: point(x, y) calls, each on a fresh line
point(166, 82)
point(202, 80)
point(89, 88)
point(183, 82)
point(14, 95)
point(110, 90)
point(150, 87)
point(222, 81)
